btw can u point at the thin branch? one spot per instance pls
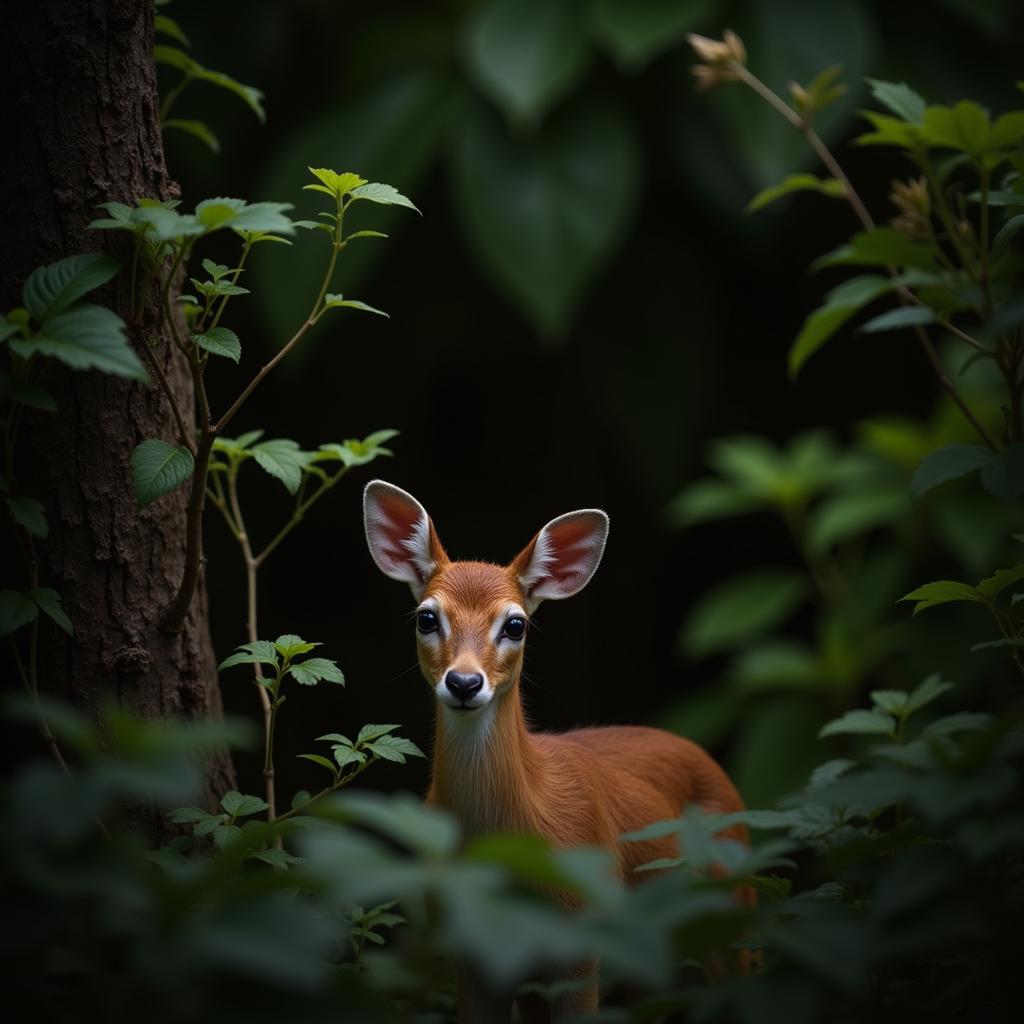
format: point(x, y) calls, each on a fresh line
point(298, 514)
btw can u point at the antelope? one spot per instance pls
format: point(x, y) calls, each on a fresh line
point(489, 769)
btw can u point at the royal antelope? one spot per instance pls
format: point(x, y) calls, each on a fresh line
point(583, 787)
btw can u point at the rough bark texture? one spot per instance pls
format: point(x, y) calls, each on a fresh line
point(85, 129)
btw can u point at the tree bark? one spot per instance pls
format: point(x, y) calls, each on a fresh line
point(85, 130)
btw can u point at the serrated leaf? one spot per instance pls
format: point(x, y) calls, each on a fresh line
point(942, 592)
point(337, 301)
point(29, 514)
point(797, 183)
point(158, 468)
point(897, 319)
point(999, 581)
point(387, 195)
point(289, 644)
point(313, 670)
point(220, 342)
point(858, 722)
point(372, 732)
point(283, 460)
point(240, 805)
point(394, 748)
point(344, 756)
point(16, 610)
point(948, 463)
point(900, 99)
point(197, 129)
point(320, 760)
point(86, 337)
point(335, 183)
point(259, 652)
point(52, 289)
point(52, 605)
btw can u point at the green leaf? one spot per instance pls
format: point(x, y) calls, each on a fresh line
point(336, 301)
point(158, 468)
point(1007, 131)
point(279, 859)
point(29, 514)
point(394, 748)
point(541, 222)
point(948, 463)
point(1003, 474)
point(525, 54)
point(964, 127)
point(314, 670)
point(16, 610)
point(942, 592)
point(214, 214)
point(840, 304)
point(335, 183)
point(852, 513)
point(999, 197)
point(86, 337)
point(893, 701)
point(900, 99)
point(185, 815)
point(896, 319)
point(345, 756)
point(638, 30)
point(220, 342)
point(225, 834)
point(962, 721)
point(51, 604)
point(998, 582)
point(796, 183)
point(197, 129)
point(742, 609)
point(320, 760)
point(710, 499)
point(27, 393)
point(369, 732)
point(889, 131)
point(354, 235)
point(1008, 231)
point(249, 95)
point(386, 195)
point(282, 459)
point(52, 289)
point(860, 722)
point(239, 805)
point(169, 27)
point(337, 737)
point(776, 665)
point(288, 645)
point(357, 453)
point(259, 652)
point(881, 247)
point(404, 819)
point(927, 691)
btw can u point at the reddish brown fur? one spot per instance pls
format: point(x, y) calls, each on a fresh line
point(584, 787)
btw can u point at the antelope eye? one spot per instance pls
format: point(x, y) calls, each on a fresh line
point(426, 622)
point(515, 628)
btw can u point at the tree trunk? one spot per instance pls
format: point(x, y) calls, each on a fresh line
point(85, 129)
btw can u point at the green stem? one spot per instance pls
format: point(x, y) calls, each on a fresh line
point(298, 514)
point(246, 249)
point(342, 780)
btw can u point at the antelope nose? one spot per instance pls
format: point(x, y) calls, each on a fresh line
point(463, 685)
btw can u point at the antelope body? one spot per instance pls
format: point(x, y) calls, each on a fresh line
point(580, 788)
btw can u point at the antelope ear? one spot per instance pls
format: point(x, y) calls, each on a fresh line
point(400, 535)
point(560, 560)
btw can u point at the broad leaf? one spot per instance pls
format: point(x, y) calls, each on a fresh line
point(948, 463)
point(158, 468)
point(282, 459)
point(288, 645)
point(51, 604)
point(900, 99)
point(86, 337)
point(860, 722)
point(197, 129)
point(313, 670)
point(796, 183)
point(998, 582)
point(52, 289)
point(897, 319)
point(541, 221)
point(386, 195)
point(1003, 474)
point(16, 610)
point(942, 592)
point(239, 805)
point(259, 652)
point(29, 514)
point(525, 54)
point(220, 342)
point(928, 690)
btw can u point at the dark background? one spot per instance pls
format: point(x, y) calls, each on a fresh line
point(596, 383)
